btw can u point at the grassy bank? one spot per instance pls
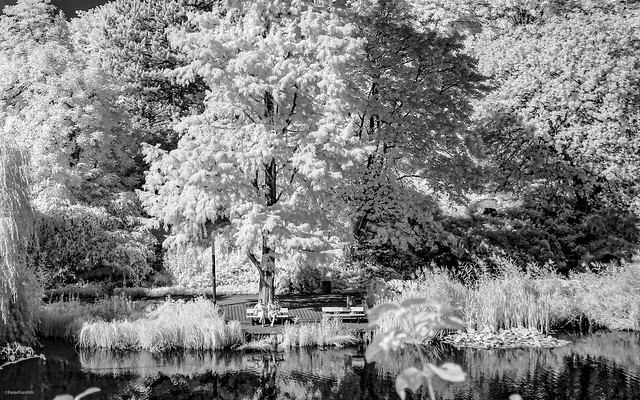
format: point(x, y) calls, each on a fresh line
point(65, 317)
point(195, 325)
point(533, 297)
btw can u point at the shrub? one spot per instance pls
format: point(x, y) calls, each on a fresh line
point(293, 278)
point(360, 276)
point(534, 232)
point(189, 266)
point(91, 242)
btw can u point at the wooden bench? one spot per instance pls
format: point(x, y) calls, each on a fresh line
point(356, 313)
point(283, 313)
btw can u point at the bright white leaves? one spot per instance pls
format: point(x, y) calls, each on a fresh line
point(62, 117)
point(277, 93)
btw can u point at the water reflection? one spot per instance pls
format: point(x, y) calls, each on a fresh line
point(600, 366)
point(294, 374)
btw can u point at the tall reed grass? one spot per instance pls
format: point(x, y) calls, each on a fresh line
point(327, 332)
point(511, 298)
point(610, 299)
point(195, 325)
point(533, 297)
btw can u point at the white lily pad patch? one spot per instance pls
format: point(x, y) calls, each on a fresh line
point(503, 339)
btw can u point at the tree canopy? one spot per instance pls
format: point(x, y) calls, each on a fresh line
point(274, 135)
point(415, 90)
point(302, 128)
point(128, 41)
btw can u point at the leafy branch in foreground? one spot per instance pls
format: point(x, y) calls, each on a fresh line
point(414, 328)
point(87, 392)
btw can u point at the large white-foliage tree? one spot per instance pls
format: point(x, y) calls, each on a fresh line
point(275, 135)
point(18, 289)
point(60, 109)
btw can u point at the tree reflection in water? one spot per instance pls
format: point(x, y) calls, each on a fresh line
point(602, 366)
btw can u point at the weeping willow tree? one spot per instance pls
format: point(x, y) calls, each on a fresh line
point(18, 288)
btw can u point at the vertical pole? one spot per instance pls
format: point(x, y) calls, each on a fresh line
point(213, 264)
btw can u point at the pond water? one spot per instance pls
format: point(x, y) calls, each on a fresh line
point(595, 366)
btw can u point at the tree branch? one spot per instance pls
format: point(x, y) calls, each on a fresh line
point(254, 261)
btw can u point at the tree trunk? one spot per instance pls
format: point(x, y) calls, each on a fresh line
point(268, 262)
point(267, 288)
point(267, 273)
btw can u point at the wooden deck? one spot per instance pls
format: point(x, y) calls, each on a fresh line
point(305, 308)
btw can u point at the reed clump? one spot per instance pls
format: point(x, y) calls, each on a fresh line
point(532, 297)
point(511, 297)
point(327, 332)
point(193, 325)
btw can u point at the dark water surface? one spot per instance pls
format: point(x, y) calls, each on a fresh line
point(596, 366)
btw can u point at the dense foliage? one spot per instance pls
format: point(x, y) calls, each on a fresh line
point(561, 127)
point(63, 112)
point(305, 131)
